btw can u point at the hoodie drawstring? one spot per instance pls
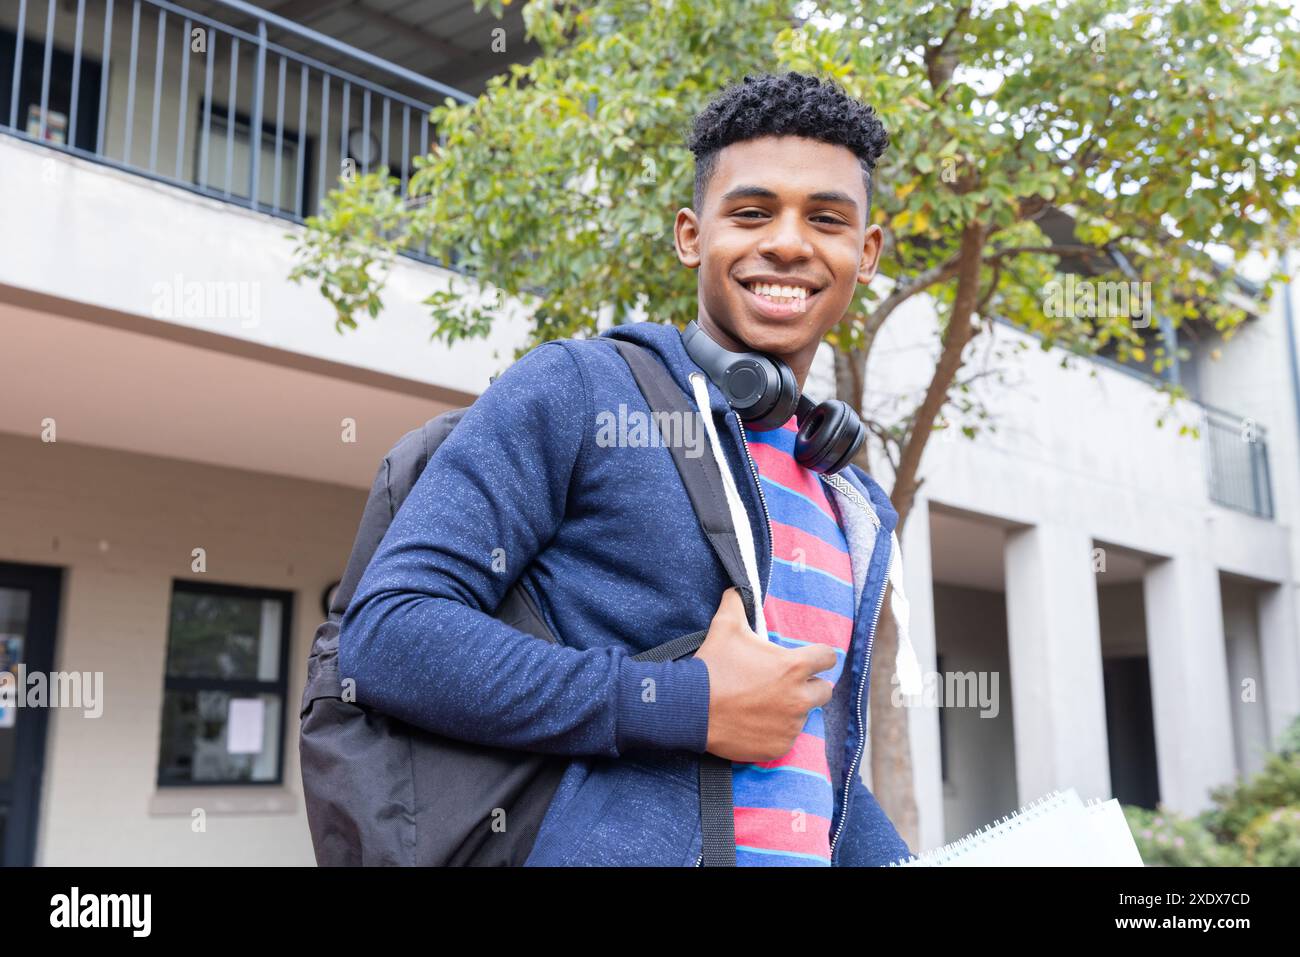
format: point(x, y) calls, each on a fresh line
point(739, 517)
point(906, 665)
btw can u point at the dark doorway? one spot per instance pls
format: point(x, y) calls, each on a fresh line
point(1132, 734)
point(29, 608)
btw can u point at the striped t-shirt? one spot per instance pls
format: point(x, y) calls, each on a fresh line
point(783, 808)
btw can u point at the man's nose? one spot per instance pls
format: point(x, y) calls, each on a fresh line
point(787, 238)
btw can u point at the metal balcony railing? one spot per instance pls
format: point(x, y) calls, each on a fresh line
point(1237, 462)
point(168, 93)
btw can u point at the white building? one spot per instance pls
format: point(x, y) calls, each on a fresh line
point(1133, 590)
point(187, 444)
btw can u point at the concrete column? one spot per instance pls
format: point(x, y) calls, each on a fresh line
point(1190, 694)
point(923, 720)
point(1054, 642)
point(1279, 645)
point(1245, 674)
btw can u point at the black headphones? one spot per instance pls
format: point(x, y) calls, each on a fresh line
point(764, 392)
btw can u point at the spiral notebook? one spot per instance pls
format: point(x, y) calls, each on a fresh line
point(1058, 830)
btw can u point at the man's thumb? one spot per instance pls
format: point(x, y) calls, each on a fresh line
point(732, 605)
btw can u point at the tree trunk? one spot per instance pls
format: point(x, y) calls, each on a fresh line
point(891, 756)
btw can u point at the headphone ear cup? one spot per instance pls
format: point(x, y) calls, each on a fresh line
point(785, 402)
point(829, 438)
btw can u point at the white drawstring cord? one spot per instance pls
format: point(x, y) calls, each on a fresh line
point(739, 517)
point(906, 665)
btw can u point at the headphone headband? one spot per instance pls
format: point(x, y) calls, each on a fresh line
point(765, 394)
point(751, 381)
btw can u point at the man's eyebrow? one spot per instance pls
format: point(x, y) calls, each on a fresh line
point(747, 192)
point(834, 196)
point(762, 192)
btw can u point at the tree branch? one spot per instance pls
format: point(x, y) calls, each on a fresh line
point(993, 287)
point(923, 281)
point(955, 338)
point(1064, 249)
point(939, 61)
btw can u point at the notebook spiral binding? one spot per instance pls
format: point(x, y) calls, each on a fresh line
point(942, 855)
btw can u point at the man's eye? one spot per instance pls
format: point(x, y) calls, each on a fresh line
point(750, 213)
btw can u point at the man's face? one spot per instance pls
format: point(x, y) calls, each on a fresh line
point(788, 211)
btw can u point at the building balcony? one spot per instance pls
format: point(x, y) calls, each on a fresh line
point(144, 241)
point(1236, 453)
point(231, 101)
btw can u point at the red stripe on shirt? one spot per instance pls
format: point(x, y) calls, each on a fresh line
point(780, 467)
point(779, 829)
point(807, 622)
point(808, 754)
point(815, 552)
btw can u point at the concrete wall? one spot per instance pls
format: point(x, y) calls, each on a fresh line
point(123, 242)
point(1252, 379)
point(1078, 445)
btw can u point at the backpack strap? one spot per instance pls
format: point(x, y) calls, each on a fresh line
point(703, 480)
point(700, 475)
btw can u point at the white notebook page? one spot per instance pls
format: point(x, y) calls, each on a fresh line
point(1058, 830)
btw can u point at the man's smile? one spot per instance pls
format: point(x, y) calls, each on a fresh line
point(775, 297)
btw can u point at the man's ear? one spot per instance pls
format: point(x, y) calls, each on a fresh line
point(686, 237)
point(872, 244)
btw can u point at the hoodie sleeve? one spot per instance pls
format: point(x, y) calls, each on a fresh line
point(418, 637)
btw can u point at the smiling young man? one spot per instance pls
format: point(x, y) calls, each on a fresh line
point(603, 539)
point(783, 185)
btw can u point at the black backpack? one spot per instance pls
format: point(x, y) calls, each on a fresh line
point(381, 791)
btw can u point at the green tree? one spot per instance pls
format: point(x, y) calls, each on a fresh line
point(1163, 131)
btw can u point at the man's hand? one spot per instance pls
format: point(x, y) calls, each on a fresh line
point(759, 693)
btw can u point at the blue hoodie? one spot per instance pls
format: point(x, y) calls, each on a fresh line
point(603, 538)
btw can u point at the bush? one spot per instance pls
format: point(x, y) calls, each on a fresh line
point(1241, 804)
point(1166, 838)
point(1273, 839)
point(1290, 743)
point(1255, 822)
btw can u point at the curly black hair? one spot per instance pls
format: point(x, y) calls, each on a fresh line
point(790, 104)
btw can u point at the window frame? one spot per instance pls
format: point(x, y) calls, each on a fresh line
point(236, 686)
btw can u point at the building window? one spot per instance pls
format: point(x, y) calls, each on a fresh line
point(225, 686)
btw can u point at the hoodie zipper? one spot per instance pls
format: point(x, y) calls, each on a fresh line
point(862, 740)
point(846, 488)
point(866, 674)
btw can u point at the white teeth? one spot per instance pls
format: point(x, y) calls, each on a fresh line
point(775, 291)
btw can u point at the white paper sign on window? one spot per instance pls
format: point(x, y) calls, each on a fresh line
point(244, 725)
